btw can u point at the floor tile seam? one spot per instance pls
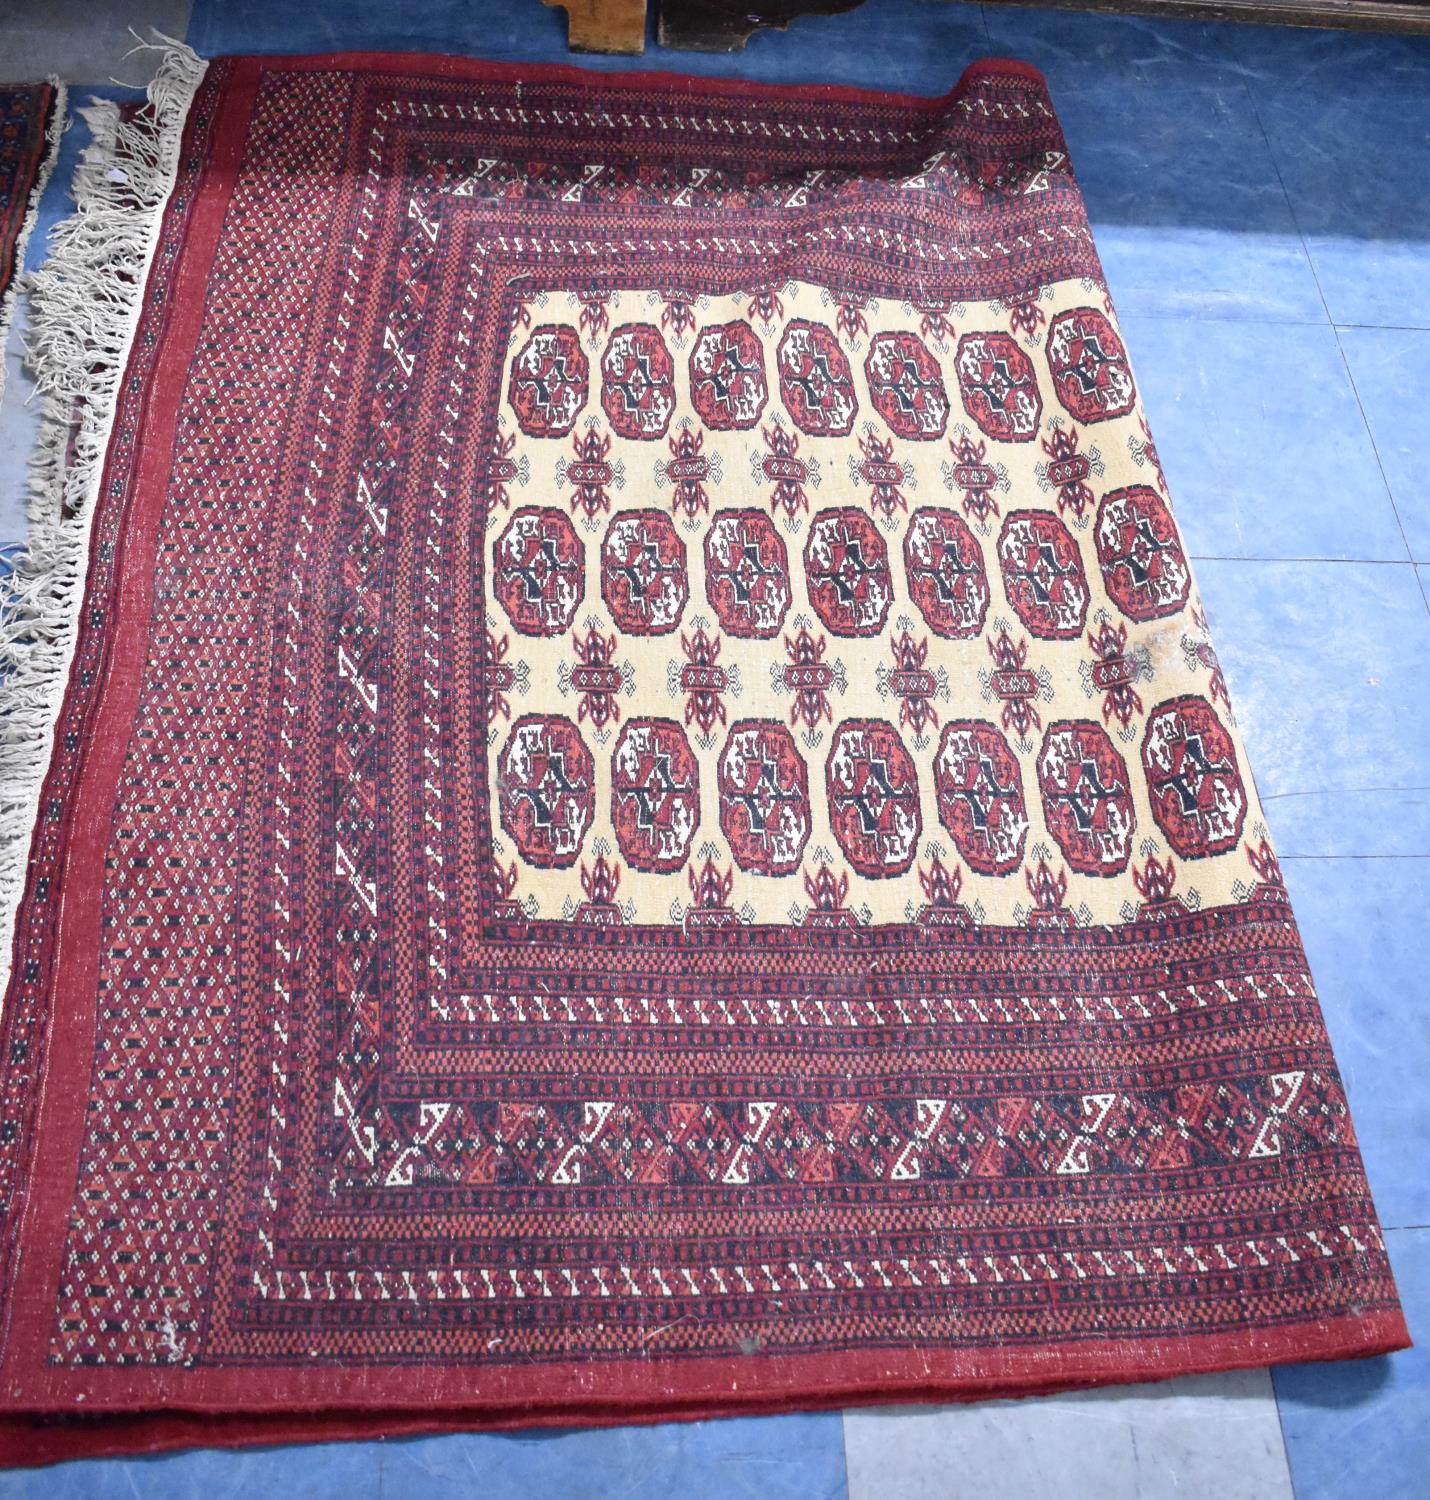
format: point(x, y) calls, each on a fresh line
point(1321, 292)
point(1360, 562)
point(1254, 319)
point(1345, 791)
point(1284, 858)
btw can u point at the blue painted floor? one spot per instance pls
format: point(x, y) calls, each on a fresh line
point(1261, 199)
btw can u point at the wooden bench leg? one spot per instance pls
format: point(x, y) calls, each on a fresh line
point(604, 25)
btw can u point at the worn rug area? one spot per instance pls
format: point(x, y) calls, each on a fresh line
point(642, 821)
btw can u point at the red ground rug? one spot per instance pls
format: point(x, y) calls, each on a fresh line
point(640, 821)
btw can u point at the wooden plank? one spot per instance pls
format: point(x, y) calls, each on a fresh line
point(604, 25)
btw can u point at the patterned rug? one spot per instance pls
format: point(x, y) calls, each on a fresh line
point(644, 823)
point(32, 117)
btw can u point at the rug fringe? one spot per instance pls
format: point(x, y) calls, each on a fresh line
point(85, 304)
point(59, 121)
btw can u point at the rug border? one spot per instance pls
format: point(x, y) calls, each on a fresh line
point(436, 64)
point(775, 1385)
point(81, 337)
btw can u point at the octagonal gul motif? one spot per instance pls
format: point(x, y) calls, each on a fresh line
point(546, 789)
point(906, 386)
point(979, 786)
point(727, 376)
point(764, 797)
point(549, 381)
point(873, 792)
point(1143, 565)
point(643, 573)
point(944, 567)
point(998, 386)
point(1193, 781)
point(638, 382)
point(816, 384)
point(1089, 366)
point(1043, 574)
point(1087, 799)
point(655, 795)
point(539, 571)
point(846, 569)
point(747, 574)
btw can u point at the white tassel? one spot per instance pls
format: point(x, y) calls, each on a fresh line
point(85, 304)
point(59, 119)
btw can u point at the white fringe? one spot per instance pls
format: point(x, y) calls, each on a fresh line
point(85, 305)
point(59, 119)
